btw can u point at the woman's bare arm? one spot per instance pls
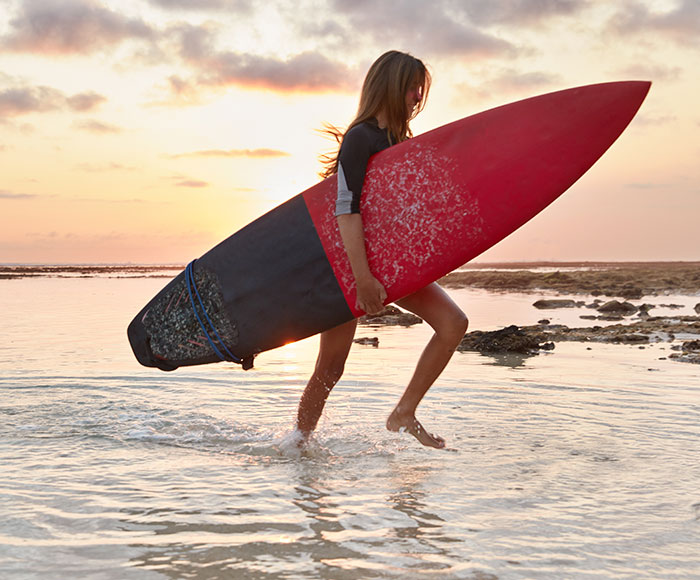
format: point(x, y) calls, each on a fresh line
point(370, 292)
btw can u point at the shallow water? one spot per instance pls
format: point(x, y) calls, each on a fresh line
point(573, 464)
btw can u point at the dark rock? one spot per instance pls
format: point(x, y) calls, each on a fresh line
point(544, 321)
point(616, 307)
point(693, 358)
point(604, 317)
point(691, 345)
point(629, 292)
point(644, 310)
point(372, 341)
point(554, 303)
point(630, 338)
point(610, 317)
point(391, 316)
point(697, 308)
point(510, 339)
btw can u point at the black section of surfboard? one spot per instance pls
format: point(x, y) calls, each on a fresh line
point(266, 285)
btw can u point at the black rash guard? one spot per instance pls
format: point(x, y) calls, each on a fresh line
point(359, 144)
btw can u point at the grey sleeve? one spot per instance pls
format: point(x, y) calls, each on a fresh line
point(352, 166)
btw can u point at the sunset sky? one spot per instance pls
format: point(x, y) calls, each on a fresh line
point(149, 130)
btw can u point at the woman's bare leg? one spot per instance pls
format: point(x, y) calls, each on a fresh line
point(434, 306)
point(333, 352)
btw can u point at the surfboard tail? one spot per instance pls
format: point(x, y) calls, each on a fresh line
point(140, 345)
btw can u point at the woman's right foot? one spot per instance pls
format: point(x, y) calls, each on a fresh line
point(409, 424)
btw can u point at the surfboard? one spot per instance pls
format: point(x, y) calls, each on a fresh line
point(429, 205)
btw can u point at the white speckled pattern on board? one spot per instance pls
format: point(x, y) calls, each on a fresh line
point(414, 211)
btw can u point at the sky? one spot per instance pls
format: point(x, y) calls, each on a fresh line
point(147, 131)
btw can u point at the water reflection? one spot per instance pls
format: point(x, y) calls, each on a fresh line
point(313, 497)
point(423, 530)
point(236, 547)
point(511, 360)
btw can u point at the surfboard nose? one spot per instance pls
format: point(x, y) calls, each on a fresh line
point(632, 93)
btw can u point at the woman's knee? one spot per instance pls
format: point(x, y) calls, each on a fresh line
point(463, 323)
point(453, 327)
point(329, 372)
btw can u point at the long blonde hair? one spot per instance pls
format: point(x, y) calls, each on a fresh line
point(384, 91)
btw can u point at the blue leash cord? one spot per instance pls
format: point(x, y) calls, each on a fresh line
point(190, 283)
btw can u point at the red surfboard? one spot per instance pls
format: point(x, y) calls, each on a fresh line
point(429, 205)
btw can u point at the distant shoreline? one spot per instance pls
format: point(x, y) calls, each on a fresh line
point(11, 271)
point(469, 265)
point(629, 280)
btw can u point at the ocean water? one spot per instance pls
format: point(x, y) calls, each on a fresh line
point(581, 463)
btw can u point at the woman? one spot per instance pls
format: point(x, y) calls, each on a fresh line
point(393, 93)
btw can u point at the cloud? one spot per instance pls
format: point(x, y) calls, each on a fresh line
point(85, 101)
point(334, 39)
point(649, 185)
point(192, 183)
point(650, 71)
point(680, 23)
point(98, 127)
point(305, 72)
point(442, 28)
point(522, 12)
point(308, 72)
point(4, 194)
point(70, 27)
point(259, 153)
point(237, 6)
point(507, 81)
point(510, 80)
point(136, 200)
point(645, 119)
point(100, 168)
point(213, 67)
point(22, 100)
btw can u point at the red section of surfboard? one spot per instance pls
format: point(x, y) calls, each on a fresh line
point(435, 202)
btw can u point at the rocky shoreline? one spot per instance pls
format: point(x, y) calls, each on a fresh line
point(620, 284)
point(641, 330)
point(631, 280)
point(531, 340)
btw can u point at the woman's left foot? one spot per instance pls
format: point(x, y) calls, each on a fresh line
point(411, 425)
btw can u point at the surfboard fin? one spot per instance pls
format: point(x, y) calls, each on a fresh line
point(247, 362)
